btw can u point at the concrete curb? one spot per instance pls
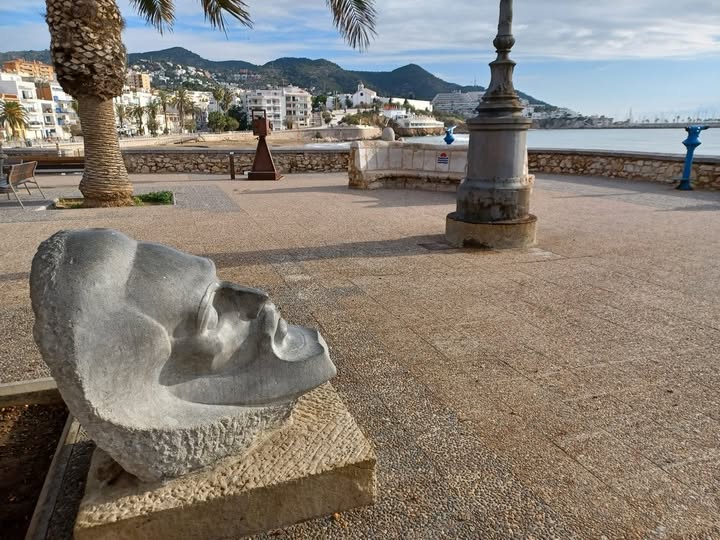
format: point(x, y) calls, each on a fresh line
point(35, 392)
point(45, 506)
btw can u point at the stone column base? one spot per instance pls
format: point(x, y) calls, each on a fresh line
point(319, 464)
point(494, 235)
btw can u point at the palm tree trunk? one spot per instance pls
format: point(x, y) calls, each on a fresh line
point(105, 180)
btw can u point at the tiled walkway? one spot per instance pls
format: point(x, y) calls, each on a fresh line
point(568, 390)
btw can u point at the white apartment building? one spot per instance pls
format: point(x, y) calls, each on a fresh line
point(283, 106)
point(131, 98)
point(419, 104)
point(42, 119)
point(201, 100)
point(298, 107)
point(463, 103)
point(65, 114)
point(271, 101)
point(557, 113)
point(339, 102)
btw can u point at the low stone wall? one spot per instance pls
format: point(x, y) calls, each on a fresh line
point(419, 132)
point(665, 168)
point(417, 166)
point(379, 164)
point(213, 161)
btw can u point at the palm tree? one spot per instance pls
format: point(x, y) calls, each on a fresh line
point(184, 105)
point(164, 100)
point(227, 100)
point(121, 113)
point(137, 112)
point(219, 94)
point(152, 110)
point(90, 62)
point(13, 115)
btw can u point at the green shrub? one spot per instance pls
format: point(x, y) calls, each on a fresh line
point(231, 124)
point(155, 197)
point(217, 121)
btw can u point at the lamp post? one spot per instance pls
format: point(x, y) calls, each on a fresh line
point(493, 200)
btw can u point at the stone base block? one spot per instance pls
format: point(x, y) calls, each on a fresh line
point(318, 464)
point(494, 235)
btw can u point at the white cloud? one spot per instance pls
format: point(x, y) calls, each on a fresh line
point(425, 30)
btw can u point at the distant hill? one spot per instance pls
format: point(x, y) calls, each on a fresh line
point(178, 55)
point(320, 76)
point(40, 56)
point(408, 81)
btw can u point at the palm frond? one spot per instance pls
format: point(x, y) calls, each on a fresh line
point(215, 11)
point(158, 13)
point(355, 20)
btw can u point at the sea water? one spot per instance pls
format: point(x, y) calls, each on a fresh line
point(661, 141)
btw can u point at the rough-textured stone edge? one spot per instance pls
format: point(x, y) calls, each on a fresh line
point(206, 504)
point(36, 392)
point(261, 505)
point(45, 506)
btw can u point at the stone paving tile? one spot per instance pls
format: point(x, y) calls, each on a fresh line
point(567, 390)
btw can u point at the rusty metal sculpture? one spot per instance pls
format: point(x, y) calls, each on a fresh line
point(263, 166)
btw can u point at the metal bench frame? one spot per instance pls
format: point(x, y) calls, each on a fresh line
point(20, 175)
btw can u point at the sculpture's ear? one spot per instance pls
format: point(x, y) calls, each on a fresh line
point(119, 354)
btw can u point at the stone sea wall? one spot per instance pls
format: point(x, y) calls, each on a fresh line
point(177, 160)
point(398, 165)
point(376, 164)
point(665, 168)
point(419, 132)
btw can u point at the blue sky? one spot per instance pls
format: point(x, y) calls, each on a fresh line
point(654, 57)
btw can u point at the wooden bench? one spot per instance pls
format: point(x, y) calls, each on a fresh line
point(20, 175)
point(54, 164)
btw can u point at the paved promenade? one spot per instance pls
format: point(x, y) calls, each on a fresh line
point(571, 390)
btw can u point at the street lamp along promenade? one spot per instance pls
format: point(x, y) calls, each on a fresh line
point(493, 200)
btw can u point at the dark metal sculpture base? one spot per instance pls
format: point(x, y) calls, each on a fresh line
point(264, 175)
point(263, 166)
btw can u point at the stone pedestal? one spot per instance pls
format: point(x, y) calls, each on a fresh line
point(319, 464)
point(517, 233)
point(493, 201)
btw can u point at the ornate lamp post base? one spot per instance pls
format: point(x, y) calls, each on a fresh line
point(516, 233)
point(493, 201)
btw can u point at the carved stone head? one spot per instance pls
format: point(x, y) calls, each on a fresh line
point(167, 368)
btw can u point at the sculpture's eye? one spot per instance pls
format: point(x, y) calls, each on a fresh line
point(212, 319)
point(207, 315)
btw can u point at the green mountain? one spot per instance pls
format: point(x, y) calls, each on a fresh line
point(178, 55)
point(40, 56)
point(320, 76)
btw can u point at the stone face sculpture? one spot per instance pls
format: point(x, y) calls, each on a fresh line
point(167, 368)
